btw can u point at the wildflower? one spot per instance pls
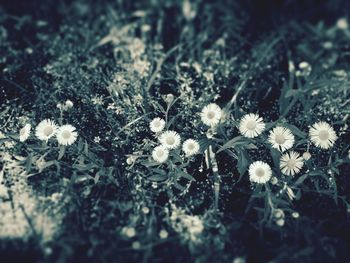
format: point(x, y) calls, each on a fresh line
point(160, 154)
point(239, 260)
point(259, 172)
point(281, 138)
point(66, 135)
point(306, 156)
point(278, 213)
point(304, 69)
point(291, 163)
point(169, 98)
point(295, 215)
point(24, 132)
point(97, 139)
point(145, 210)
point(322, 135)
point(251, 125)
point(46, 129)
point(136, 245)
point(274, 180)
point(130, 160)
point(170, 139)
point(69, 104)
point(190, 147)
point(280, 222)
point(211, 115)
point(129, 232)
point(291, 67)
point(342, 23)
point(163, 234)
point(157, 125)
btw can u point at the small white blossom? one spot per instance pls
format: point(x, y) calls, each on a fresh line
point(259, 172)
point(251, 125)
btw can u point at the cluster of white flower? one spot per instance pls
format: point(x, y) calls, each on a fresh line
point(170, 140)
point(189, 226)
point(22, 210)
point(251, 125)
point(46, 129)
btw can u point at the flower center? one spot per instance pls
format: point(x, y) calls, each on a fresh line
point(323, 135)
point(48, 130)
point(251, 125)
point(170, 140)
point(291, 163)
point(157, 124)
point(191, 146)
point(211, 115)
point(160, 153)
point(280, 139)
point(260, 172)
point(22, 131)
point(66, 134)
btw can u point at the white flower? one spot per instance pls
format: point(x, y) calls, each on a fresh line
point(259, 172)
point(190, 147)
point(322, 135)
point(211, 114)
point(24, 132)
point(281, 138)
point(46, 129)
point(69, 104)
point(160, 154)
point(170, 139)
point(66, 135)
point(157, 125)
point(306, 156)
point(251, 125)
point(342, 23)
point(291, 163)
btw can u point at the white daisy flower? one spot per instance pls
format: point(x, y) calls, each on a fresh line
point(291, 163)
point(190, 147)
point(160, 154)
point(45, 130)
point(251, 125)
point(170, 139)
point(24, 132)
point(157, 125)
point(66, 135)
point(211, 115)
point(259, 172)
point(281, 138)
point(322, 135)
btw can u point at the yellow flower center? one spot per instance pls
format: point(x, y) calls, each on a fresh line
point(279, 138)
point(191, 146)
point(66, 134)
point(48, 130)
point(211, 115)
point(323, 135)
point(291, 163)
point(251, 125)
point(170, 140)
point(260, 172)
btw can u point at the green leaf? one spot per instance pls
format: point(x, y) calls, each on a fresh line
point(301, 179)
point(61, 152)
point(185, 175)
point(231, 143)
point(158, 177)
point(243, 162)
point(291, 93)
point(179, 186)
point(295, 130)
